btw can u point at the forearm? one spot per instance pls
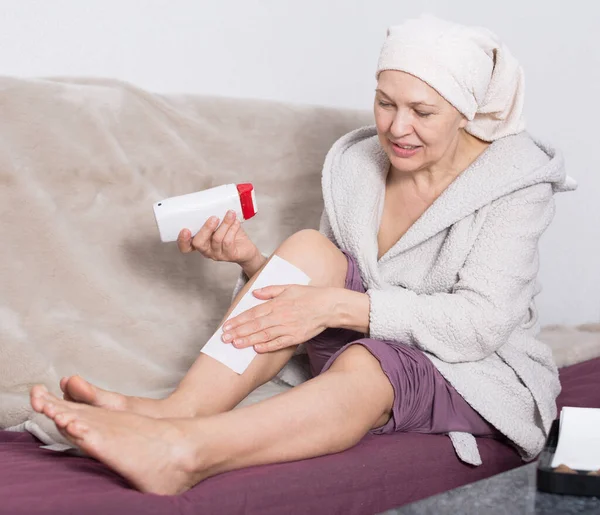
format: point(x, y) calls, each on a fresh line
point(456, 327)
point(350, 310)
point(253, 265)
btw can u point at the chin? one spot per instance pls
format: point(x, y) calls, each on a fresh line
point(406, 165)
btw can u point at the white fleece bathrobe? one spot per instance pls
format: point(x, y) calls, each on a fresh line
point(460, 284)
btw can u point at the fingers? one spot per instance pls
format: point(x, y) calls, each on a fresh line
point(214, 241)
point(255, 326)
point(250, 315)
point(219, 235)
point(201, 241)
point(229, 240)
point(184, 241)
point(264, 336)
point(274, 345)
point(270, 292)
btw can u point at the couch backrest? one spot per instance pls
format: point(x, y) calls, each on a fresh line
point(87, 286)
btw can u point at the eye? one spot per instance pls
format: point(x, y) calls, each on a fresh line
point(422, 114)
point(384, 104)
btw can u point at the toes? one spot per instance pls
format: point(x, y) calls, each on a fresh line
point(42, 401)
point(80, 390)
point(52, 406)
point(49, 410)
point(50, 397)
point(37, 397)
point(77, 429)
point(63, 384)
point(38, 390)
point(37, 403)
point(62, 420)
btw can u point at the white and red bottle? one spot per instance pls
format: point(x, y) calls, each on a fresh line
point(192, 210)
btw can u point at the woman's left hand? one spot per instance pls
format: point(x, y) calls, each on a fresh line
point(292, 315)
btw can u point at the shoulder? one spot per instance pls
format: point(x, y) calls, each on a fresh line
point(523, 152)
point(518, 161)
point(536, 193)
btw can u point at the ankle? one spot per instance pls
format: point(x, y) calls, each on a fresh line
point(208, 452)
point(186, 403)
point(178, 406)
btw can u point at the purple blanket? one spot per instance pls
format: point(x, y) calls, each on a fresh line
point(379, 473)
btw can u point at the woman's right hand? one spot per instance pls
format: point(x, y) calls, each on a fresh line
point(225, 242)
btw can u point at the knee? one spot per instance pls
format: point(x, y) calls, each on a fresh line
point(307, 238)
point(313, 253)
point(366, 371)
point(357, 358)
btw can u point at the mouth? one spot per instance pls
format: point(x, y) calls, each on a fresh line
point(404, 150)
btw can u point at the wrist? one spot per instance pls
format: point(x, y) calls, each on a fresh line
point(350, 310)
point(253, 264)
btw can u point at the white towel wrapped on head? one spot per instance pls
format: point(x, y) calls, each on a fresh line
point(468, 66)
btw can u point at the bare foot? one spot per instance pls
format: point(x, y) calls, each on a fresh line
point(77, 389)
point(155, 456)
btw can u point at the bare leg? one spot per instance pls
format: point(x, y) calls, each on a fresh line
point(310, 251)
point(327, 414)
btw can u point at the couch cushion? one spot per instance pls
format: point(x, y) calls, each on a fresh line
point(377, 474)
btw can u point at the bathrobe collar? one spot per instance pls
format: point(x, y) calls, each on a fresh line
point(354, 176)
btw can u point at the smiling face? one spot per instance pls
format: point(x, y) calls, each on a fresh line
point(416, 126)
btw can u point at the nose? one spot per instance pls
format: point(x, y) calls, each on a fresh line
point(401, 124)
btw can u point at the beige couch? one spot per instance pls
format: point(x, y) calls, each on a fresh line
point(87, 286)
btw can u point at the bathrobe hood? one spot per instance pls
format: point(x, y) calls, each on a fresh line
point(354, 176)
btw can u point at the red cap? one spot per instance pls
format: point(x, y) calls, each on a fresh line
point(246, 200)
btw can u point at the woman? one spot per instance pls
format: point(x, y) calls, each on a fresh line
point(428, 244)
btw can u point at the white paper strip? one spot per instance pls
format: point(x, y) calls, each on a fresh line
point(578, 439)
point(277, 272)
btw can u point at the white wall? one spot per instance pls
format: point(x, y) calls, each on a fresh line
point(325, 52)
